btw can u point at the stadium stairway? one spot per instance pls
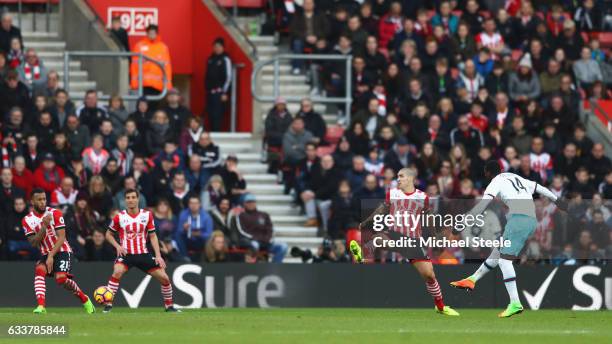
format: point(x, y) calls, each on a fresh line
point(50, 49)
point(288, 223)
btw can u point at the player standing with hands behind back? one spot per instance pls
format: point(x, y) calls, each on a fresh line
point(44, 227)
point(133, 226)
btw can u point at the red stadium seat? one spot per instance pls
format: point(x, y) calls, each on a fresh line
point(516, 54)
point(334, 134)
point(324, 150)
point(605, 39)
point(243, 3)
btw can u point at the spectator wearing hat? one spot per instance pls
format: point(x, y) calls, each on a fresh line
point(217, 83)
point(177, 113)
point(277, 122)
point(14, 93)
point(524, 83)
point(256, 227)
point(152, 75)
point(570, 41)
point(193, 228)
point(48, 175)
point(400, 156)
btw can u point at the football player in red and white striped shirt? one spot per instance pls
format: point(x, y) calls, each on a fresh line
point(134, 226)
point(44, 228)
point(407, 199)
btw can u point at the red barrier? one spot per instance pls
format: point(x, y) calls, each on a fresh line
point(188, 28)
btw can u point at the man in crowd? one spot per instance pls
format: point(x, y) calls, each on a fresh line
point(217, 82)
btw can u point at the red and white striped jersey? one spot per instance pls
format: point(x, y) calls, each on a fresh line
point(414, 203)
point(494, 40)
point(32, 224)
point(540, 163)
point(133, 230)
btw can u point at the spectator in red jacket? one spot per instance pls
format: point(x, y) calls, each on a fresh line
point(48, 176)
point(389, 25)
point(22, 177)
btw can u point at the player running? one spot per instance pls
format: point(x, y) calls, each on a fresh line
point(44, 227)
point(133, 226)
point(516, 192)
point(406, 198)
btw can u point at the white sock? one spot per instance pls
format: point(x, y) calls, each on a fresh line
point(509, 279)
point(488, 265)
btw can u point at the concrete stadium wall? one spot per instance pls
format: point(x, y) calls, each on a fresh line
point(323, 285)
point(81, 31)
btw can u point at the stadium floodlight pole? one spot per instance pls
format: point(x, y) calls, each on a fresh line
point(349, 91)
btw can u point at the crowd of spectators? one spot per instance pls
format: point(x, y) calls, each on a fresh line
point(86, 156)
point(444, 86)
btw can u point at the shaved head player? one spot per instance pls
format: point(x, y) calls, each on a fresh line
point(407, 199)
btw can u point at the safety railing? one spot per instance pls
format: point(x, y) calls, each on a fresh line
point(596, 108)
point(119, 54)
point(234, 95)
point(20, 4)
point(230, 19)
point(276, 91)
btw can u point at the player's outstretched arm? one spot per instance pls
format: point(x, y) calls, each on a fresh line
point(544, 191)
point(382, 209)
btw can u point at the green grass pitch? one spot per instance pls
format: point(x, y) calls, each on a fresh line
point(323, 325)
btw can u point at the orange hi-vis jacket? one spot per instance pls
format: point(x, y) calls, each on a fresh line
point(152, 74)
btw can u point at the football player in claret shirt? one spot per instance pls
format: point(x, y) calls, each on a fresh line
point(133, 226)
point(406, 198)
point(44, 227)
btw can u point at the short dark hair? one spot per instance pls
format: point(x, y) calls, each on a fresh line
point(36, 191)
point(129, 191)
point(492, 167)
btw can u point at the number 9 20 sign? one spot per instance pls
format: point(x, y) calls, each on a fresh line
point(133, 19)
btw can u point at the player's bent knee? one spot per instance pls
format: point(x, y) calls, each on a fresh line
point(40, 270)
point(60, 279)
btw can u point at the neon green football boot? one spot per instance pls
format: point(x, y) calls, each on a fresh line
point(512, 309)
point(40, 310)
point(447, 310)
point(356, 251)
point(89, 307)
